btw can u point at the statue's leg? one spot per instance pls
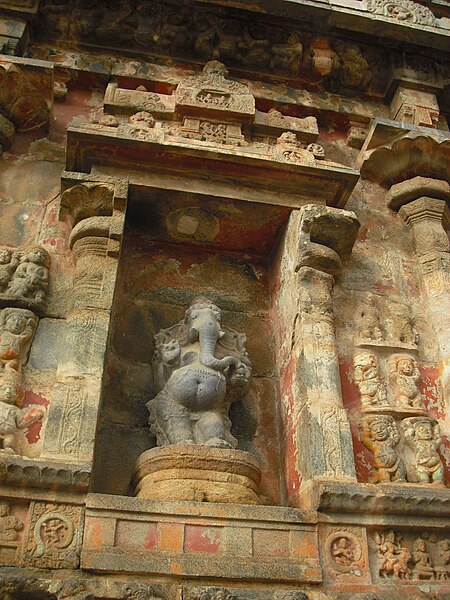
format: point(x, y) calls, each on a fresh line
point(211, 431)
point(423, 475)
point(9, 445)
point(438, 475)
point(173, 419)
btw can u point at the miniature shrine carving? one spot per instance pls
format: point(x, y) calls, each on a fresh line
point(367, 378)
point(380, 435)
point(424, 437)
point(196, 388)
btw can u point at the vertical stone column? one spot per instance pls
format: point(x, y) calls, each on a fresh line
point(318, 238)
point(423, 204)
point(96, 213)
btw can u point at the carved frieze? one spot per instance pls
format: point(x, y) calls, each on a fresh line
point(410, 556)
point(11, 531)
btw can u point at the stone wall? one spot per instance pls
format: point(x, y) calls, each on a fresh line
point(224, 299)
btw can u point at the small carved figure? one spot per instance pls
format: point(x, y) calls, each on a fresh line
point(370, 327)
point(196, 388)
point(143, 119)
point(289, 149)
point(342, 552)
point(423, 568)
point(12, 418)
point(30, 279)
point(16, 330)
point(404, 378)
point(393, 558)
point(424, 437)
point(8, 264)
point(9, 524)
point(367, 378)
point(402, 325)
point(441, 570)
point(380, 435)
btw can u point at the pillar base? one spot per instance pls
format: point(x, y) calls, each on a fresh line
point(185, 472)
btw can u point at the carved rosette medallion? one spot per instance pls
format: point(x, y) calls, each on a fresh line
point(54, 536)
point(345, 554)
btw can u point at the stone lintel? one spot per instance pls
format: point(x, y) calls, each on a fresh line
point(319, 183)
point(328, 496)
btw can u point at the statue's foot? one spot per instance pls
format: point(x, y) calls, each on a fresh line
point(218, 443)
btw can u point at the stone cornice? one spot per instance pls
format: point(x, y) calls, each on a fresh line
point(44, 473)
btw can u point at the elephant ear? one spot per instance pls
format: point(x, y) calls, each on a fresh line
point(233, 343)
point(175, 332)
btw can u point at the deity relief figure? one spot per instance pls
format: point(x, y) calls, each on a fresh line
point(199, 370)
point(12, 418)
point(392, 557)
point(404, 379)
point(367, 378)
point(424, 437)
point(342, 552)
point(423, 568)
point(380, 435)
point(9, 524)
point(30, 280)
point(17, 326)
point(442, 570)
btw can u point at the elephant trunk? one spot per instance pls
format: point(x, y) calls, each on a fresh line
point(207, 344)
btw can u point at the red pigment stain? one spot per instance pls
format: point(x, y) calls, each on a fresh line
point(202, 539)
point(431, 390)
point(34, 431)
point(151, 542)
point(352, 402)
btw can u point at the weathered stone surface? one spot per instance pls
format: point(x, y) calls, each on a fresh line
point(199, 474)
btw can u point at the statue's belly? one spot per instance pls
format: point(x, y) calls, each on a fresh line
point(196, 389)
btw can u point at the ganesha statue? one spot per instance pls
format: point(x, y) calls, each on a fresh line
point(200, 368)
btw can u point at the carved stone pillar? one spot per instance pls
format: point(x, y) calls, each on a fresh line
point(96, 212)
point(423, 204)
point(313, 409)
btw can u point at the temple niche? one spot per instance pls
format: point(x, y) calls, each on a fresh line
point(224, 300)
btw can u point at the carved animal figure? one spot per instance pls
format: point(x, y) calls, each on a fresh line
point(196, 388)
point(393, 558)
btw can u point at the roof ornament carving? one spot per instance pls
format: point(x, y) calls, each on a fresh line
point(404, 11)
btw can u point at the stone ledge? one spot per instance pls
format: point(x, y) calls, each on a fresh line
point(365, 498)
point(193, 539)
point(41, 473)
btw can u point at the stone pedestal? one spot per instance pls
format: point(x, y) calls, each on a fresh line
point(197, 473)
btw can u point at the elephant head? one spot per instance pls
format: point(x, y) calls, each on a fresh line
point(203, 323)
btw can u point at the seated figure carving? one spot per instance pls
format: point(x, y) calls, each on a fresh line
point(199, 370)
